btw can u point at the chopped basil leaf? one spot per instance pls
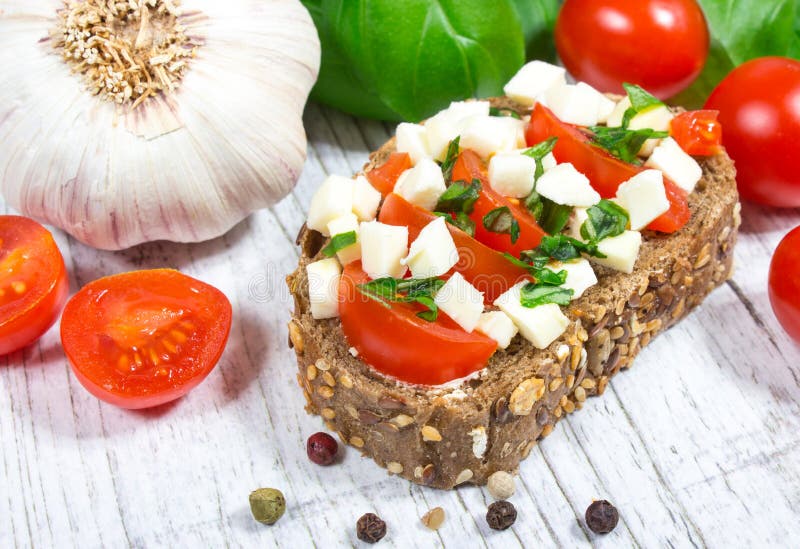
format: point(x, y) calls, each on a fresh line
point(433, 310)
point(459, 197)
point(553, 217)
point(533, 295)
point(461, 220)
point(548, 277)
point(563, 248)
point(415, 290)
point(420, 286)
point(380, 289)
point(641, 100)
point(501, 220)
point(606, 219)
point(538, 152)
point(622, 142)
point(494, 111)
point(339, 242)
point(450, 159)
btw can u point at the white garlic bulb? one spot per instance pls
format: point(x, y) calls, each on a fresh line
point(182, 166)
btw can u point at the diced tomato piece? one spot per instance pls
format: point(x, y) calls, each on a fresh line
point(385, 176)
point(483, 267)
point(699, 133)
point(470, 166)
point(605, 172)
point(396, 342)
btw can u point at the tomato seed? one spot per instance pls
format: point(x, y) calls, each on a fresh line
point(19, 287)
point(178, 336)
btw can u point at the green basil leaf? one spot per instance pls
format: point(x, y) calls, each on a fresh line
point(406, 61)
point(548, 277)
point(538, 152)
point(380, 289)
point(433, 310)
point(622, 142)
point(562, 247)
point(538, 20)
point(641, 99)
point(405, 290)
point(553, 216)
point(450, 159)
point(500, 112)
point(533, 295)
point(459, 197)
point(536, 259)
point(461, 220)
point(339, 242)
point(606, 219)
point(419, 286)
point(501, 220)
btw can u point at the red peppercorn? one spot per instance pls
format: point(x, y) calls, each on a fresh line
point(321, 448)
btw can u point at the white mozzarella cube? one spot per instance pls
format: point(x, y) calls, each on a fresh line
point(412, 139)
point(461, 301)
point(605, 110)
point(616, 116)
point(433, 252)
point(540, 325)
point(446, 125)
point(498, 326)
point(366, 199)
point(382, 249)
point(459, 110)
point(644, 197)
point(333, 199)
point(532, 80)
point(345, 224)
point(487, 135)
point(676, 164)
point(512, 174)
point(580, 275)
point(563, 184)
point(621, 251)
point(323, 287)
point(576, 220)
point(549, 162)
point(578, 104)
point(422, 185)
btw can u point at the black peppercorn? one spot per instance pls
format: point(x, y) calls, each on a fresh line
point(370, 528)
point(501, 515)
point(601, 517)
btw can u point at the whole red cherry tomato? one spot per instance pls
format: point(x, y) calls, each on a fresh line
point(784, 283)
point(759, 108)
point(660, 45)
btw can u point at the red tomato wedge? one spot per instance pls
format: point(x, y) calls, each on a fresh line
point(144, 338)
point(384, 177)
point(697, 132)
point(33, 282)
point(483, 267)
point(605, 172)
point(470, 166)
point(396, 342)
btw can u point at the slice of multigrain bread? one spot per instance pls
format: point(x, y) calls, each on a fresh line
point(464, 431)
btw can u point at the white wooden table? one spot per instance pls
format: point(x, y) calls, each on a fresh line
point(710, 458)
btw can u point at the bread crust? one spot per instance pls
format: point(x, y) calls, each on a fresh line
point(465, 431)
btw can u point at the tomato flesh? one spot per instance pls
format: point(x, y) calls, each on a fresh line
point(483, 267)
point(603, 43)
point(759, 107)
point(469, 166)
point(396, 342)
point(144, 338)
point(33, 282)
point(384, 177)
point(699, 133)
point(604, 171)
point(784, 283)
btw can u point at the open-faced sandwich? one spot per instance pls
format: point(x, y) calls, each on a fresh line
point(495, 265)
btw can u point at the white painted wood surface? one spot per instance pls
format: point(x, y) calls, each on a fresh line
point(698, 445)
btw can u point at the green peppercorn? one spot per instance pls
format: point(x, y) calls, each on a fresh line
point(267, 505)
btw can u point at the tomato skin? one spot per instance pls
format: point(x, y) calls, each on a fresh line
point(784, 283)
point(469, 166)
point(759, 107)
point(660, 45)
point(398, 343)
point(481, 266)
point(604, 171)
point(384, 177)
point(25, 318)
point(699, 133)
point(113, 320)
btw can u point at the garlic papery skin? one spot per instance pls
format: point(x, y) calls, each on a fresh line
point(184, 166)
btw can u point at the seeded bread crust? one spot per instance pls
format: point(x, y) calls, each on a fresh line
point(463, 432)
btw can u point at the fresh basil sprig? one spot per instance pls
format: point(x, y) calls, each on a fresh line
point(622, 142)
point(405, 290)
point(450, 159)
point(533, 295)
point(501, 220)
point(606, 219)
point(339, 242)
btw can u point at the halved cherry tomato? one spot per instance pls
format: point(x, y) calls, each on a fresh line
point(483, 267)
point(385, 176)
point(470, 166)
point(697, 132)
point(33, 282)
point(604, 171)
point(784, 283)
point(144, 338)
point(396, 342)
